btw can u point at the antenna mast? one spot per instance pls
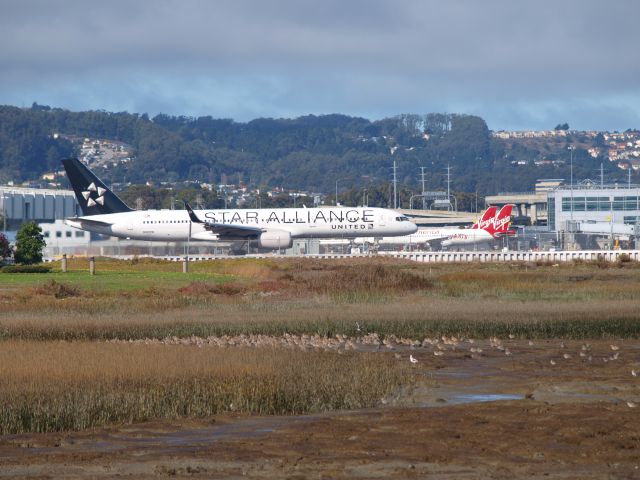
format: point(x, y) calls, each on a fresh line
point(423, 191)
point(395, 187)
point(449, 186)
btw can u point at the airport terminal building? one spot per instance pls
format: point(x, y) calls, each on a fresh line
point(555, 203)
point(20, 204)
point(585, 215)
point(589, 203)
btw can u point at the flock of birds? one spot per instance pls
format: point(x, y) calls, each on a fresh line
point(439, 347)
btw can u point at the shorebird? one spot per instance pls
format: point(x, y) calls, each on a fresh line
point(566, 356)
point(634, 373)
point(412, 359)
point(512, 336)
point(357, 327)
point(552, 362)
point(614, 347)
point(632, 404)
point(438, 353)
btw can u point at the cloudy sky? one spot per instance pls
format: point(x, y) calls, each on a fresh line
point(519, 64)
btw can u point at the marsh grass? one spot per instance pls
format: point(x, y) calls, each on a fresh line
point(413, 317)
point(57, 289)
point(276, 296)
point(57, 386)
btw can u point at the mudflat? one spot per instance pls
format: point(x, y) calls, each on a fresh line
point(493, 408)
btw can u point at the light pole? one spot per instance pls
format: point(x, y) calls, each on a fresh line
point(571, 149)
point(338, 180)
point(4, 213)
point(186, 249)
point(411, 200)
point(455, 202)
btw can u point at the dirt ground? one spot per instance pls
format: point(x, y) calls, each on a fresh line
point(516, 409)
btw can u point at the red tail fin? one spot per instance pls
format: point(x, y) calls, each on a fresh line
point(500, 223)
point(486, 218)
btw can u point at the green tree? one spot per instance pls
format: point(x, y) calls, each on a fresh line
point(29, 244)
point(5, 248)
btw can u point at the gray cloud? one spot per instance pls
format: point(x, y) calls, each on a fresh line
point(518, 64)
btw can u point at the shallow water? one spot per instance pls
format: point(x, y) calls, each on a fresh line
point(467, 398)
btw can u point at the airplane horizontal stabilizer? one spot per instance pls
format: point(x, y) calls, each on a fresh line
point(89, 222)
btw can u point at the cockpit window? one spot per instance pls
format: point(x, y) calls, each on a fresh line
point(402, 219)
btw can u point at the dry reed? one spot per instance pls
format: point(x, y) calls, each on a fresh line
point(57, 386)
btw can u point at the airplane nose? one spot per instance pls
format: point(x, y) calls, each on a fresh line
point(412, 228)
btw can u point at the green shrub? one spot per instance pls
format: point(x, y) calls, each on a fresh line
point(26, 269)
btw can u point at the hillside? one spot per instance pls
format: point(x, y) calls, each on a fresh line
point(309, 152)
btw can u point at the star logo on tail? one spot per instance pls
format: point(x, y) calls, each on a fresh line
point(94, 195)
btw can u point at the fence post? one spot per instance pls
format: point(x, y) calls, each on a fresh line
point(63, 263)
point(92, 265)
point(185, 265)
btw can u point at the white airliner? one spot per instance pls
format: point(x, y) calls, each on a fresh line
point(490, 225)
point(484, 231)
point(103, 212)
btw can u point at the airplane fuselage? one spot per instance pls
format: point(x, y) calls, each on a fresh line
point(175, 225)
point(446, 236)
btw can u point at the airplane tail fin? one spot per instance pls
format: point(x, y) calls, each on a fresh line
point(486, 218)
point(192, 215)
point(500, 223)
point(92, 195)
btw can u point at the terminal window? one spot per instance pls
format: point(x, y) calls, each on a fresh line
point(600, 204)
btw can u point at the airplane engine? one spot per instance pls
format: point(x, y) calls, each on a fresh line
point(275, 239)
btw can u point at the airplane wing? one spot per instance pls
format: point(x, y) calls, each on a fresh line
point(226, 230)
point(231, 231)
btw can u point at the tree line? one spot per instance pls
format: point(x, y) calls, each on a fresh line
point(308, 153)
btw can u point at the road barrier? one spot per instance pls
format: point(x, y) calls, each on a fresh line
point(498, 257)
point(435, 257)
